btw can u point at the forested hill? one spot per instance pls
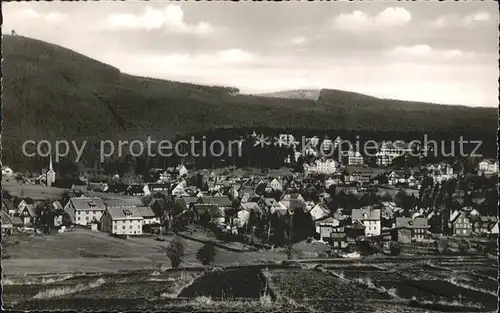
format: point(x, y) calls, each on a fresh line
point(50, 92)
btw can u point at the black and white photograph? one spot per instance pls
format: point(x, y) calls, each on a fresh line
point(253, 156)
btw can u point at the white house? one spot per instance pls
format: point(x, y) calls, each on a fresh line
point(390, 150)
point(370, 218)
point(319, 211)
point(488, 167)
point(179, 190)
point(326, 145)
point(7, 171)
point(312, 142)
point(125, 220)
point(494, 229)
point(85, 210)
point(324, 166)
point(275, 184)
point(354, 158)
point(182, 170)
point(286, 140)
point(148, 215)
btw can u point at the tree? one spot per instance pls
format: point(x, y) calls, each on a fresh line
point(463, 246)
point(175, 252)
point(302, 225)
point(206, 254)
point(395, 249)
point(146, 200)
point(442, 245)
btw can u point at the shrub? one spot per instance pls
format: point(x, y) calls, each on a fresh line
point(463, 246)
point(442, 245)
point(395, 249)
point(175, 252)
point(206, 254)
point(289, 252)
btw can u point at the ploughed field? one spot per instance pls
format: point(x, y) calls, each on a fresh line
point(466, 284)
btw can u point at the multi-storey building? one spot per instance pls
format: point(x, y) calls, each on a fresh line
point(122, 220)
point(85, 210)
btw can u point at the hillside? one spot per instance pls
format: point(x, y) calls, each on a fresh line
point(50, 92)
point(307, 94)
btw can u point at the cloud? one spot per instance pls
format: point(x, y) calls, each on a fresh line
point(236, 56)
point(170, 18)
point(477, 17)
point(413, 50)
point(454, 20)
point(429, 52)
point(51, 17)
point(178, 63)
point(298, 40)
point(360, 21)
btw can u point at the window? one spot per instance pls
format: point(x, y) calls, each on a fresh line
point(131, 226)
point(87, 212)
point(78, 218)
point(115, 227)
point(87, 218)
point(123, 227)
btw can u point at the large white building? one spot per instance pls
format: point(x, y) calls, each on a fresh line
point(390, 150)
point(488, 166)
point(122, 220)
point(85, 210)
point(354, 158)
point(325, 166)
point(370, 218)
point(286, 140)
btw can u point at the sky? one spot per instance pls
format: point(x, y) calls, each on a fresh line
point(442, 52)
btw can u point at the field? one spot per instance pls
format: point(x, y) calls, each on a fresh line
point(440, 284)
point(86, 251)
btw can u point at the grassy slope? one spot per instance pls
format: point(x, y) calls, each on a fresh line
point(51, 92)
point(310, 94)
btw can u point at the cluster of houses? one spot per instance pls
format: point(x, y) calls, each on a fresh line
point(82, 210)
point(384, 221)
point(209, 197)
point(175, 181)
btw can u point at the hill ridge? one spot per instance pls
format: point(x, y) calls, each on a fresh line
point(72, 96)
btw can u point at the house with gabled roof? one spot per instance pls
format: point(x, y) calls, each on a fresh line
point(222, 202)
point(122, 220)
point(179, 191)
point(8, 206)
point(10, 222)
point(207, 212)
point(275, 184)
point(97, 187)
point(419, 226)
point(158, 187)
point(370, 218)
point(83, 211)
point(148, 215)
point(28, 214)
point(319, 211)
point(484, 224)
point(461, 223)
point(488, 167)
point(324, 227)
point(138, 190)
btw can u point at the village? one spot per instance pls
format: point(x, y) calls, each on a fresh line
point(350, 209)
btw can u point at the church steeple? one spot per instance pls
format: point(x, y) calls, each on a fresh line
point(50, 177)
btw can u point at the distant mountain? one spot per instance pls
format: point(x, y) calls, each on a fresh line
point(50, 92)
point(307, 94)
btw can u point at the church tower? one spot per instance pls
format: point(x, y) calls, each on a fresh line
point(51, 175)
